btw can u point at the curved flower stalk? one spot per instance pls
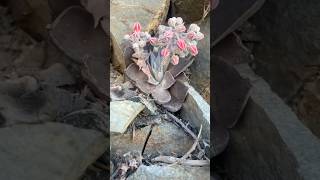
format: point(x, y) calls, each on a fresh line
point(159, 60)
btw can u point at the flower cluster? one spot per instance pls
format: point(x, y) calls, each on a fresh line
point(172, 42)
point(176, 41)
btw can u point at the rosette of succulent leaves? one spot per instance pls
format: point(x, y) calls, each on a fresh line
point(162, 58)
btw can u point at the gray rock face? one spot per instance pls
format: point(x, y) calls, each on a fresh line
point(170, 172)
point(166, 138)
point(189, 10)
point(283, 53)
point(197, 111)
point(48, 151)
point(289, 60)
point(230, 14)
point(200, 68)
point(269, 140)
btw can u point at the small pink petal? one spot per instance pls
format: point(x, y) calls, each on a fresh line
point(180, 28)
point(165, 52)
point(191, 35)
point(137, 27)
point(153, 40)
point(199, 36)
point(193, 50)
point(168, 34)
point(175, 59)
point(181, 44)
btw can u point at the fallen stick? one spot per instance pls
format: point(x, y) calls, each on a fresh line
point(193, 147)
point(186, 162)
point(177, 120)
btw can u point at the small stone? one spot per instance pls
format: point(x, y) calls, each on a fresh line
point(31, 59)
point(170, 172)
point(122, 113)
point(56, 75)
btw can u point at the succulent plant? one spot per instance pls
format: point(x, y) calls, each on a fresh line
point(160, 60)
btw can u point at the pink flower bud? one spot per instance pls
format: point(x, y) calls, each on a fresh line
point(172, 21)
point(181, 44)
point(180, 28)
point(193, 50)
point(165, 52)
point(191, 35)
point(199, 36)
point(137, 27)
point(153, 40)
point(168, 34)
point(175, 59)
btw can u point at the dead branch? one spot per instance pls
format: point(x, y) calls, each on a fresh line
point(194, 146)
point(177, 120)
point(173, 160)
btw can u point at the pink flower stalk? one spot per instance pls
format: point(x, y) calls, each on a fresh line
point(153, 40)
point(137, 27)
point(193, 50)
point(165, 52)
point(175, 59)
point(181, 44)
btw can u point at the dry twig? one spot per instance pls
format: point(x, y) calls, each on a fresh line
point(172, 160)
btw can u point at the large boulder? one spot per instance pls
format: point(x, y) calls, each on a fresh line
point(48, 151)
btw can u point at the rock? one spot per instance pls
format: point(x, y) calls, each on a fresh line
point(123, 143)
point(270, 133)
point(200, 68)
point(22, 101)
point(190, 10)
point(291, 55)
point(48, 151)
point(34, 17)
point(196, 111)
point(19, 86)
point(122, 113)
point(56, 75)
point(236, 15)
point(30, 60)
point(59, 102)
point(95, 74)
point(230, 88)
point(166, 138)
point(232, 50)
point(79, 41)
point(11, 111)
point(308, 107)
point(170, 172)
point(149, 13)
